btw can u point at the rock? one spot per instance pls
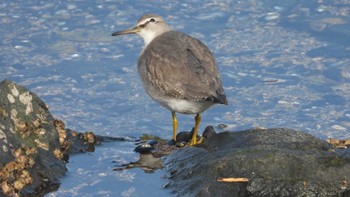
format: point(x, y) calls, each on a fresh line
point(151, 149)
point(146, 147)
point(276, 162)
point(28, 142)
point(34, 147)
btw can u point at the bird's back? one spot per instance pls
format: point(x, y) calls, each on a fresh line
point(178, 66)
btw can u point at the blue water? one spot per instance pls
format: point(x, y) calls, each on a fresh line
point(92, 175)
point(283, 64)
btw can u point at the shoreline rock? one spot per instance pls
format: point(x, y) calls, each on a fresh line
point(276, 162)
point(34, 147)
point(28, 140)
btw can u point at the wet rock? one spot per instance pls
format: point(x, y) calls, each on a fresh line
point(275, 162)
point(151, 149)
point(28, 142)
point(146, 147)
point(34, 147)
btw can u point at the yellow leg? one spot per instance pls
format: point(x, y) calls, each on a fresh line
point(194, 136)
point(174, 125)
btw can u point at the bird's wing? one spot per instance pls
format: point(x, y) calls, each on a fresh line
point(182, 67)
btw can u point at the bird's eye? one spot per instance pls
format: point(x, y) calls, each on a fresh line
point(152, 20)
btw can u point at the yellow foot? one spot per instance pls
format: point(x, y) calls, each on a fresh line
point(195, 131)
point(195, 142)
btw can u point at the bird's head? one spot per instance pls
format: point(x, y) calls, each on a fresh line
point(149, 26)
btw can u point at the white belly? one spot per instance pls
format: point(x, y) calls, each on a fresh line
point(184, 106)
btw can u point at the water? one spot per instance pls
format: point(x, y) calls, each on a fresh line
point(92, 175)
point(283, 64)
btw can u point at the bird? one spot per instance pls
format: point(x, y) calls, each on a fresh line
point(177, 70)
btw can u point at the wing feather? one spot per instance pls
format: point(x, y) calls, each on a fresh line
point(177, 65)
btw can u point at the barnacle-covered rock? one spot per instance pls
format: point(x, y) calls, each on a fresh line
point(34, 147)
point(28, 140)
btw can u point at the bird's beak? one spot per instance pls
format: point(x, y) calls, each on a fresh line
point(133, 30)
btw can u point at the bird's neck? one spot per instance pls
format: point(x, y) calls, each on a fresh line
point(151, 35)
point(147, 38)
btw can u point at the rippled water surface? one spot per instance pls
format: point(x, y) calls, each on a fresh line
point(283, 64)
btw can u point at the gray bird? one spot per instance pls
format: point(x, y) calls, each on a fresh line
point(177, 70)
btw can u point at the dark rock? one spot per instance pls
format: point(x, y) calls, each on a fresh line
point(146, 147)
point(151, 149)
point(277, 162)
point(171, 142)
point(184, 136)
point(209, 132)
point(28, 142)
point(34, 147)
